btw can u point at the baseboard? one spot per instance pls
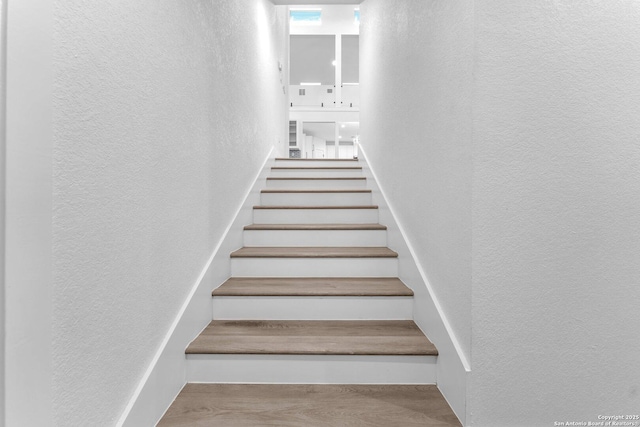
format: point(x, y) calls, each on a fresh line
point(452, 367)
point(167, 373)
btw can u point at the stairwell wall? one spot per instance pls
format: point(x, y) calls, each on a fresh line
point(416, 124)
point(164, 112)
point(556, 212)
point(3, 145)
point(552, 102)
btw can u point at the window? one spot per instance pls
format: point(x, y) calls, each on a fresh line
point(305, 16)
point(356, 16)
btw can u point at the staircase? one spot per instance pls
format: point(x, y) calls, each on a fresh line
point(314, 298)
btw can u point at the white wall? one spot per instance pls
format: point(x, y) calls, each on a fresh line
point(3, 146)
point(415, 127)
point(556, 212)
point(319, 148)
point(27, 275)
point(415, 79)
point(551, 226)
point(164, 113)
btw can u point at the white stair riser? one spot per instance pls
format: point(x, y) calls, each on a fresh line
point(311, 369)
point(315, 173)
point(313, 184)
point(315, 199)
point(312, 308)
point(314, 267)
point(315, 216)
point(316, 162)
point(315, 238)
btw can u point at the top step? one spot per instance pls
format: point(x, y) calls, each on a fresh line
point(315, 162)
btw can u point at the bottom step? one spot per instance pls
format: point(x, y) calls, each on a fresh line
point(232, 405)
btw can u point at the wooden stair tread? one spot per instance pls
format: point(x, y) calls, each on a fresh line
point(312, 286)
point(316, 207)
point(309, 178)
point(347, 337)
point(317, 160)
point(316, 167)
point(277, 190)
point(314, 252)
point(315, 227)
point(288, 405)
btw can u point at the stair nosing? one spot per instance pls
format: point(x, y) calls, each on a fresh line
point(314, 227)
point(316, 160)
point(328, 336)
point(316, 168)
point(312, 287)
point(318, 191)
point(315, 207)
point(319, 353)
point(311, 178)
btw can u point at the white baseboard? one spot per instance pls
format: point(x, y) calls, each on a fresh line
point(167, 373)
point(452, 367)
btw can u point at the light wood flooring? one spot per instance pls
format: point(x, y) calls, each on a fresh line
point(314, 252)
point(313, 286)
point(255, 405)
point(372, 337)
point(315, 227)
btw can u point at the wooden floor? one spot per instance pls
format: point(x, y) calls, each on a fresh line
point(371, 337)
point(253, 405)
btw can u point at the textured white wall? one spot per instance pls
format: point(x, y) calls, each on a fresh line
point(28, 232)
point(555, 205)
point(415, 119)
point(163, 113)
point(556, 212)
point(3, 99)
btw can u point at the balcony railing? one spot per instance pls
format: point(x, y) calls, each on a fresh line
point(324, 96)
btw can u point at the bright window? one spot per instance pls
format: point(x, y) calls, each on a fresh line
point(356, 16)
point(305, 16)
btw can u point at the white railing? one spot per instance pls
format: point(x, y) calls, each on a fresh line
point(323, 96)
point(351, 96)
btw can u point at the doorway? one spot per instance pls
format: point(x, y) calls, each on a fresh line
point(324, 83)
